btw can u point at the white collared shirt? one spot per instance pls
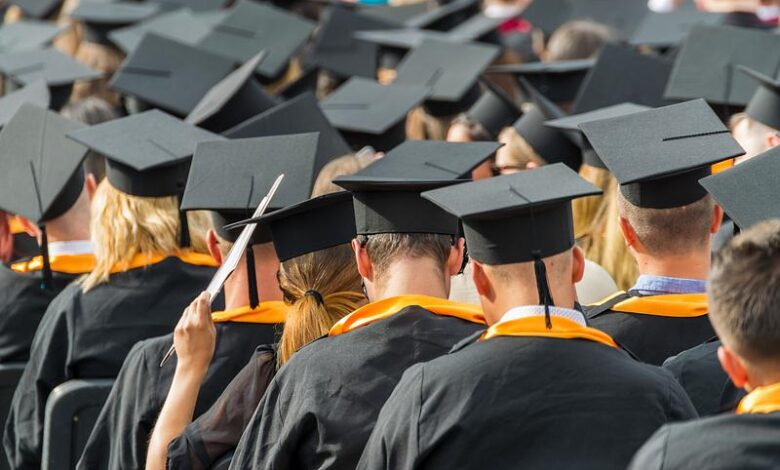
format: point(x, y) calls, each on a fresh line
point(73, 247)
point(526, 311)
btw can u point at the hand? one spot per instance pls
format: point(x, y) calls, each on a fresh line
point(195, 336)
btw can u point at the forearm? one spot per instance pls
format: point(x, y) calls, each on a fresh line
point(175, 415)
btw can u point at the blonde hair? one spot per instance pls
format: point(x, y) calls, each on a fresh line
point(124, 226)
point(105, 59)
point(320, 288)
point(614, 255)
point(344, 165)
point(516, 149)
point(578, 39)
point(422, 126)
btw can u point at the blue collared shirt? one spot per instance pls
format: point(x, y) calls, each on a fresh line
point(659, 285)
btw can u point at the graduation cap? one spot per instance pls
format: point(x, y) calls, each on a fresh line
point(658, 156)
point(706, 66)
point(306, 82)
point(300, 115)
point(194, 5)
point(235, 99)
point(337, 51)
point(168, 74)
point(621, 75)
point(571, 125)
point(479, 28)
point(445, 17)
point(251, 27)
point(101, 17)
point(549, 143)
point(431, 160)
point(148, 154)
point(58, 70)
point(662, 30)
point(42, 176)
point(394, 44)
point(310, 226)
point(26, 35)
point(181, 25)
point(398, 14)
point(518, 218)
point(36, 93)
point(368, 113)
point(494, 110)
point(558, 81)
point(764, 106)
point(748, 192)
point(40, 9)
point(449, 70)
point(623, 16)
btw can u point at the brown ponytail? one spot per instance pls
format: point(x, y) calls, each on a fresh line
point(320, 288)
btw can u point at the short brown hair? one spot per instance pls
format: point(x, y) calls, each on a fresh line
point(386, 248)
point(744, 292)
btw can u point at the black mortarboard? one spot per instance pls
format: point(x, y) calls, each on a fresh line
point(494, 110)
point(623, 16)
point(310, 226)
point(621, 75)
point(40, 9)
point(36, 93)
point(306, 82)
point(550, 144)
point(100, 17)
point(42, 176)
point(570, 125)
point(368, 113)
point(445, 17)
point(181, 25)
point(479, 28)
point(661, 30)
point(337, 51)
point(394, 205)
point(194, 5)
point(398, 14)
point(300, 115)
point(251, 27)
point(449, 70)
point(658, 156)
point(706, 66)
point(558, 81)
point(147, 154)
point(58, 70)
point(518, 218)
point(26, 35)
point(431, 160)
point(169, 74)
point(748, 192)
point(402, 40)
point(235, 99)
point(764, 106)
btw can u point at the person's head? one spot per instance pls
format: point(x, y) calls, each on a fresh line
point(464, 129)
point(320, 288)
point(344, 165)
point(753, 136)
point(380, 256)
point(92, 111)
point(105, 59)
point(516, 154)
point(579, 39)
point(123, 226)
point(744, 298)
point(422, 126)
point(609, 249)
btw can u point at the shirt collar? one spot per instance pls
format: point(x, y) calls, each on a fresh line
point(526, 311)
point(72, 247)
point(658, 285)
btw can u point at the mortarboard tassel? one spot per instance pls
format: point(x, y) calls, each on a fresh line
point(543, 286)
point(47, 276)
point(254, 298)
point(184, 227)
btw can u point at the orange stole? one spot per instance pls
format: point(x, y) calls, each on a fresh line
point(273, 311)
point(535, 326)
point(147, 259)
point(68, 264)
point(761, 401)
point(667, 305)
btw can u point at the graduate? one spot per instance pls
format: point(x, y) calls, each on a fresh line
point(46, 185)
point(321, 285)
point(667, 220)
point(229, 178)
point(743, 293)
point(144, 274)
point(320, 408)
point(539, 388)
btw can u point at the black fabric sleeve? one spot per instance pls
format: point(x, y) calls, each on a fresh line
point(652, 454)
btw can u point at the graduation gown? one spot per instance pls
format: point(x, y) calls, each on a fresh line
point(699, 372)
point(320, 408)
point(88, 335)
point(121, 434)
point(24, 301)
point(217, 431)
point(747, 440)
point(523, 396)
point(655, 327)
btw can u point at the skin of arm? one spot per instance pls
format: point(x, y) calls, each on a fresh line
point(194, 339)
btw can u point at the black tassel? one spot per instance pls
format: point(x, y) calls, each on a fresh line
point(184, 226)
point(47, 276)
point(251, 277)
point(543, 287)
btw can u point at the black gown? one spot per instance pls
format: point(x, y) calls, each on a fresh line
point(516, 402)
point(121, 434)
point(699, 372)
point(88, 335)
point(217, 431)
point(320, 408)
point(655, 327)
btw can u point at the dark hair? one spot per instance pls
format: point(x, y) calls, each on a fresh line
point(91, 111)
